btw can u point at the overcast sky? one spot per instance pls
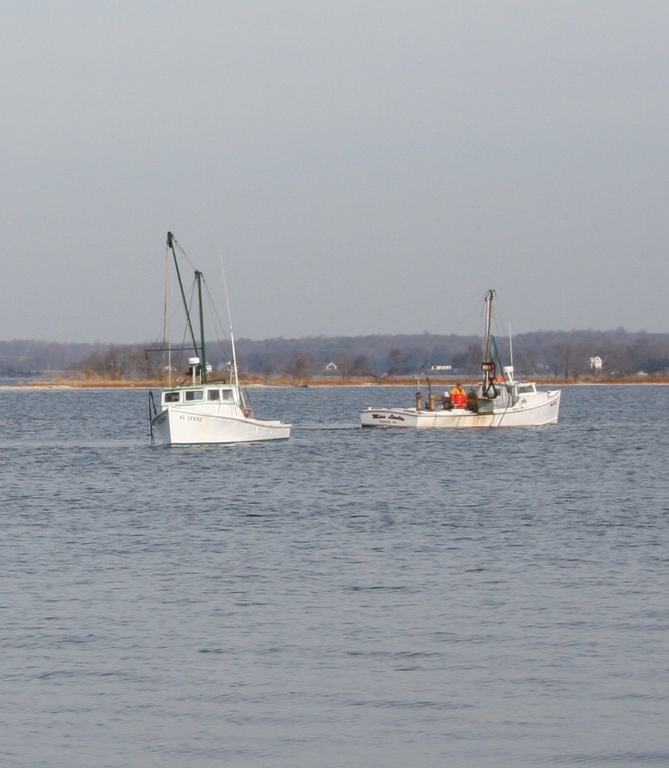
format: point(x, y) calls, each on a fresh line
point(361, 167)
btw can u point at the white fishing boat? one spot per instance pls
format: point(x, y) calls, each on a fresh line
point(201, 409)
point(498, 401)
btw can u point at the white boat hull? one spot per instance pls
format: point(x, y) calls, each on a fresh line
point(179, 426)
point(535, 410)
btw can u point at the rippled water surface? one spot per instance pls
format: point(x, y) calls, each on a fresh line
point(346, 598)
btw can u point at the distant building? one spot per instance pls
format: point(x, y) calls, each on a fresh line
point(441, 368)
point(596, 364)
point(331, 366)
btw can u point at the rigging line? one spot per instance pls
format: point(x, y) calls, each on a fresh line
point(218, 325)
point(500, 322)
point(492, 424)
point(524, 356)
point(219, 330)
point(172, 313)
point(186, 328)
point(183, 253)
point(501, 418)
point(471, 318)
point(171, 245)
point(181, 353)
point(214, 311)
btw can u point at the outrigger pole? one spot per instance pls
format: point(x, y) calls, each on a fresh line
point(170, 244)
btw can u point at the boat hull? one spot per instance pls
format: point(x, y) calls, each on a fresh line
point(176, 427)
point(539, 409)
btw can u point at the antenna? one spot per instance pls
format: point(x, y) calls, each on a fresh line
point(232, 335)
point(511, 345)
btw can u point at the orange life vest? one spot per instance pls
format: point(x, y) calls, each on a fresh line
point(459, 397)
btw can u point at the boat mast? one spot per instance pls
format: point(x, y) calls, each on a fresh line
point(198, 277)
point(488, 364)
point(170, 244)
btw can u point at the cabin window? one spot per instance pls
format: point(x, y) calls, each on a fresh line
point(171, 397)
point(212, 394)
point(227, 394)
point(525, 389)
point(194, 395)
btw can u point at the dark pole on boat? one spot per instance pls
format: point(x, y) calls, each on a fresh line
point(170, 244)
point(487, 357)
point(198, 277)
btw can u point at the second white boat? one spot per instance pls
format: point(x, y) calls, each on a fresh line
point(498, 401)
point(517, 404)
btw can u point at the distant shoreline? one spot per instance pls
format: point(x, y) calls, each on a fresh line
point(70, 385)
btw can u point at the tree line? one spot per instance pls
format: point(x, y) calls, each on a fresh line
point(559, 354)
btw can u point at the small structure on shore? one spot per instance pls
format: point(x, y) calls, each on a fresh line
point(596, 364)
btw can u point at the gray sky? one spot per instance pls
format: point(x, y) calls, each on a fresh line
point(361, 167)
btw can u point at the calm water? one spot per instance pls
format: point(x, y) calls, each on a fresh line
point(347, 598)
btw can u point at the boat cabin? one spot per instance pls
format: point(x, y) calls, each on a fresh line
point(186, 396)
point(526, 388)
point(507, 394)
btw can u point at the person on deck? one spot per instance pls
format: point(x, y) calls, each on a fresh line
point(458, 396)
